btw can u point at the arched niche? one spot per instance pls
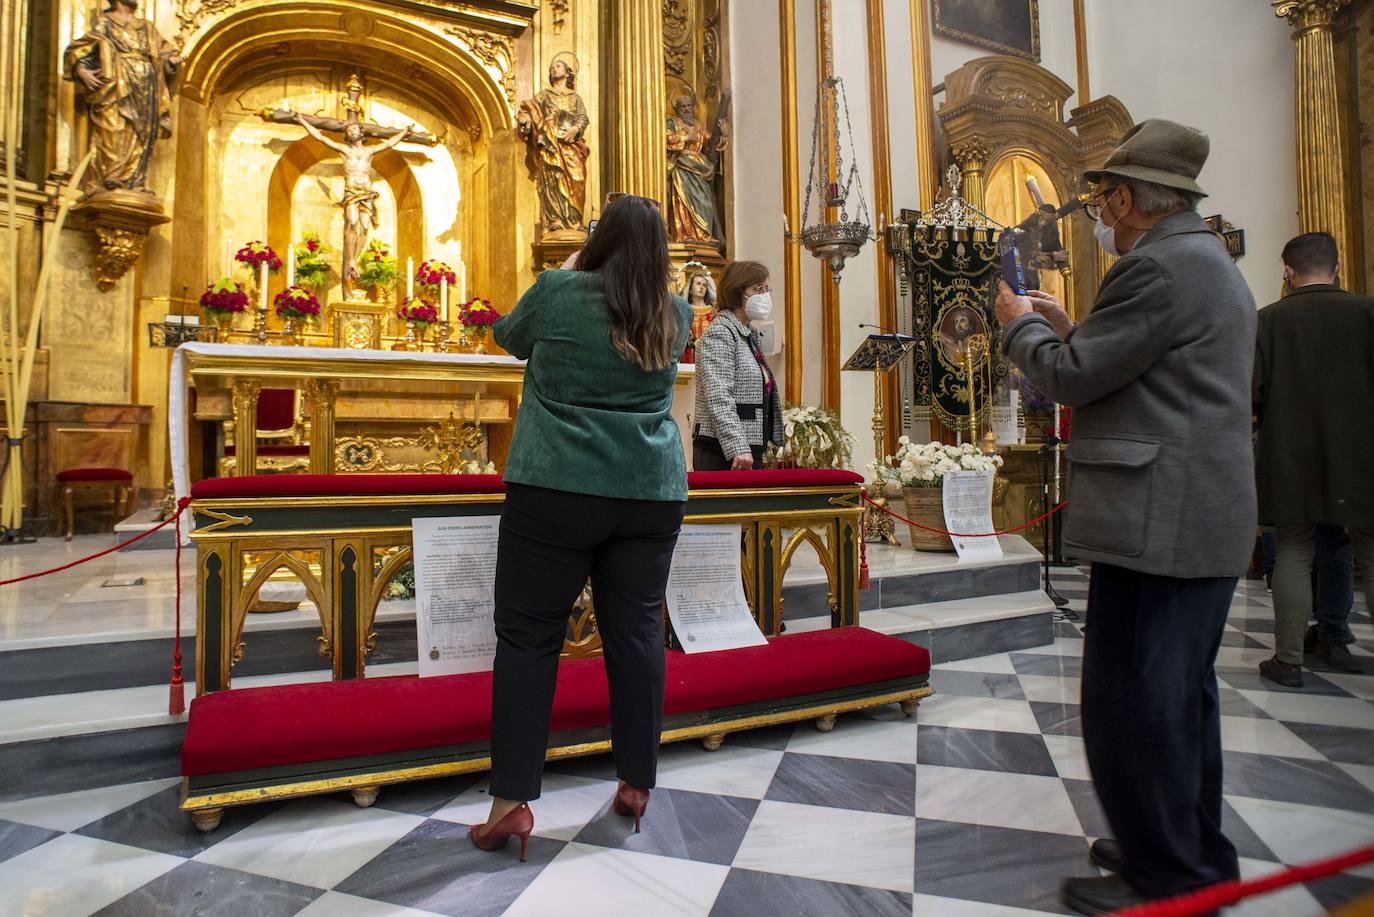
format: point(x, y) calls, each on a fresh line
point(438, 74)
point(997, 107)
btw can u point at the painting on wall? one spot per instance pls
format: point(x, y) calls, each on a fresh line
point(1008, 26)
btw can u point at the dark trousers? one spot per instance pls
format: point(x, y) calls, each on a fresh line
point(1333, 579)
point(552, 541)
point(1151, 723)
point(708, 456)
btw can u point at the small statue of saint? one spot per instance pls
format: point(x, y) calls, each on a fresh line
point(692, 161)
point(553, 124)
point(699, 289)
point(127, 70)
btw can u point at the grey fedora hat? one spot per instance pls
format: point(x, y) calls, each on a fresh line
point(1163, 152)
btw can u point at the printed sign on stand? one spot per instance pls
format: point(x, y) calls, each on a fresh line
point(705, 593)
point(455, 593)
point(968, 508)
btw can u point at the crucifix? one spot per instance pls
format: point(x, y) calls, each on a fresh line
point(359, 199)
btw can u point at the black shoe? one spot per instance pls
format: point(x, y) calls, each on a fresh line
point(1309, 639)
point(1106, 853)
point(1339, 657)
point(1101, 895)
point(1284, 673)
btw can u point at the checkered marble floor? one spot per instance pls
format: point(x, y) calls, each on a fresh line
point(978, 808)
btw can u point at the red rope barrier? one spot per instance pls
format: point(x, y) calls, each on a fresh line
point(181, 506)
point(1010, 531)
point(1227, 893)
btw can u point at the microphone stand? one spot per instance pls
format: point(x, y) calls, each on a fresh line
point(1048, 452)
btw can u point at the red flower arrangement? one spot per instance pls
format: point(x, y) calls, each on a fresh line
point(223, 298)
point(432, 272)
point(256, 253)
point(1065, 423)
point(419, 311)
point(477, 313)
point(296, 302)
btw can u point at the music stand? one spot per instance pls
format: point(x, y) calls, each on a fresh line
point(878, 354)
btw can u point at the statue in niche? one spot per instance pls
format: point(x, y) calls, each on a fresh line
point(699, 289)
point(552, 125)
point(360, 200)
point(693, 157)
point(127, 70)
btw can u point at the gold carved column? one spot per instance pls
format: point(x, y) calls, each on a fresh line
point(1321, 165)
point(320, 395)
point(639, 163)
point(246, 426)
point(791, 200)
point(972, 157)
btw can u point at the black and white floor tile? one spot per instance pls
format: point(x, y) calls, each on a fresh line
point(977, 808)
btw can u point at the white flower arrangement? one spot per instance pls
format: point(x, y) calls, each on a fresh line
point(472, 466)
point(924, 464)
point(814, 438)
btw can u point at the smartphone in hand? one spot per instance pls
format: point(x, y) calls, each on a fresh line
point(1009, 257)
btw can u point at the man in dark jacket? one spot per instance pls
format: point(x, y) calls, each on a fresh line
point(1314, 397)
point(1162, 491)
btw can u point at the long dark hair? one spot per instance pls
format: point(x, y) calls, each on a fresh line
point(629, 251)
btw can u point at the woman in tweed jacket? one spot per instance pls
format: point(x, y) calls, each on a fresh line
point(738, 410)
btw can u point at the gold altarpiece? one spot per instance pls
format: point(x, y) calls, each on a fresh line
point(226, 176)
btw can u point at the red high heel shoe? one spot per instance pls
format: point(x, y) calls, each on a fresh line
point(518, 822)
point(630, 800)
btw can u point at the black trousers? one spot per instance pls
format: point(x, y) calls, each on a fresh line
point(708, 456)
point(552, 541)
point(1151, 723)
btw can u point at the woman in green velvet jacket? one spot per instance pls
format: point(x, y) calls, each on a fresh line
point(596, 489)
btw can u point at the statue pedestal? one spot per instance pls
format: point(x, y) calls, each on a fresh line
point(553, 249)
point(120, 220)
point(358, 324)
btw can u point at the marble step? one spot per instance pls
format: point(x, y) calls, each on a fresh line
point(900, 577)
point(960, 628)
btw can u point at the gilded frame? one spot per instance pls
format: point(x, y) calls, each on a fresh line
point(945, 30)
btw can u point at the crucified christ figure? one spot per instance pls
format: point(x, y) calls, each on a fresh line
point(359, 200)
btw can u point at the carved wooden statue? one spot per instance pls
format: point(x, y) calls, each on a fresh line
point(693, 156)
point(553, 124)
point(127, 70)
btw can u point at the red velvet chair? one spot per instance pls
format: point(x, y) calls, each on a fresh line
point(115, 479)
point(282, 444)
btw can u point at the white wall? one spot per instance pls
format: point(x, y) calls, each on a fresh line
point(1229, 72)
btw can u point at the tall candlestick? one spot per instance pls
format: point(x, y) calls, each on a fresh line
point(443, 298)
point(290, 264)
point(410, 279)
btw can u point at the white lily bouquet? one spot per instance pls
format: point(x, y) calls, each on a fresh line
point(814, 438)
point(926, 464)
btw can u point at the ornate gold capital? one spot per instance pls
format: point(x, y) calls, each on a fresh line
point(972, 154)
point(1305, 15)
point(320, 393)
point(246, 394)
point(118, 249)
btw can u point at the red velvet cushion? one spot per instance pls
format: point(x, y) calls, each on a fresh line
point(273, 451)
point(276, 409)
point(349, 485)
point(94, 474)
point(772, 477)
point(246, 728)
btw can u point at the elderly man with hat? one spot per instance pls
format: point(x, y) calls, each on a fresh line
point(1162, 502)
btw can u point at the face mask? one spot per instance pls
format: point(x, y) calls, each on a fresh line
point(1105, 236)
point(759, 306)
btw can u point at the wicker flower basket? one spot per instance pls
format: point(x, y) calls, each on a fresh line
point(926, 505)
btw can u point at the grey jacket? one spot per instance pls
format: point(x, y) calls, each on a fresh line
point(1161, 472)
point(729, 397)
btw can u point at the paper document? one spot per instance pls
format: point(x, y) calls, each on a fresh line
point(968, 508)
point(455, 593)
point(705, 593)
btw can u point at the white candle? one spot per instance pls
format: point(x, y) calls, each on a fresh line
point(443, 298)
point(462, 282)
point(410, 279)
point(262, 285)
point(290, 264)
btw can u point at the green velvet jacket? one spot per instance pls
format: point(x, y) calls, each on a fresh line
point(590, 421)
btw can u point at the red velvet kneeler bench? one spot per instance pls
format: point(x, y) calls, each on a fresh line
point(345, 536)
point(254, 744)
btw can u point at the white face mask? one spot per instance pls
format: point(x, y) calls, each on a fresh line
point(759, 306)
point(1105, 236)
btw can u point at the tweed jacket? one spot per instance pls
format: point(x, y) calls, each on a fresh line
point(730, 384)
point(1314, 396)
point(1161, 468)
